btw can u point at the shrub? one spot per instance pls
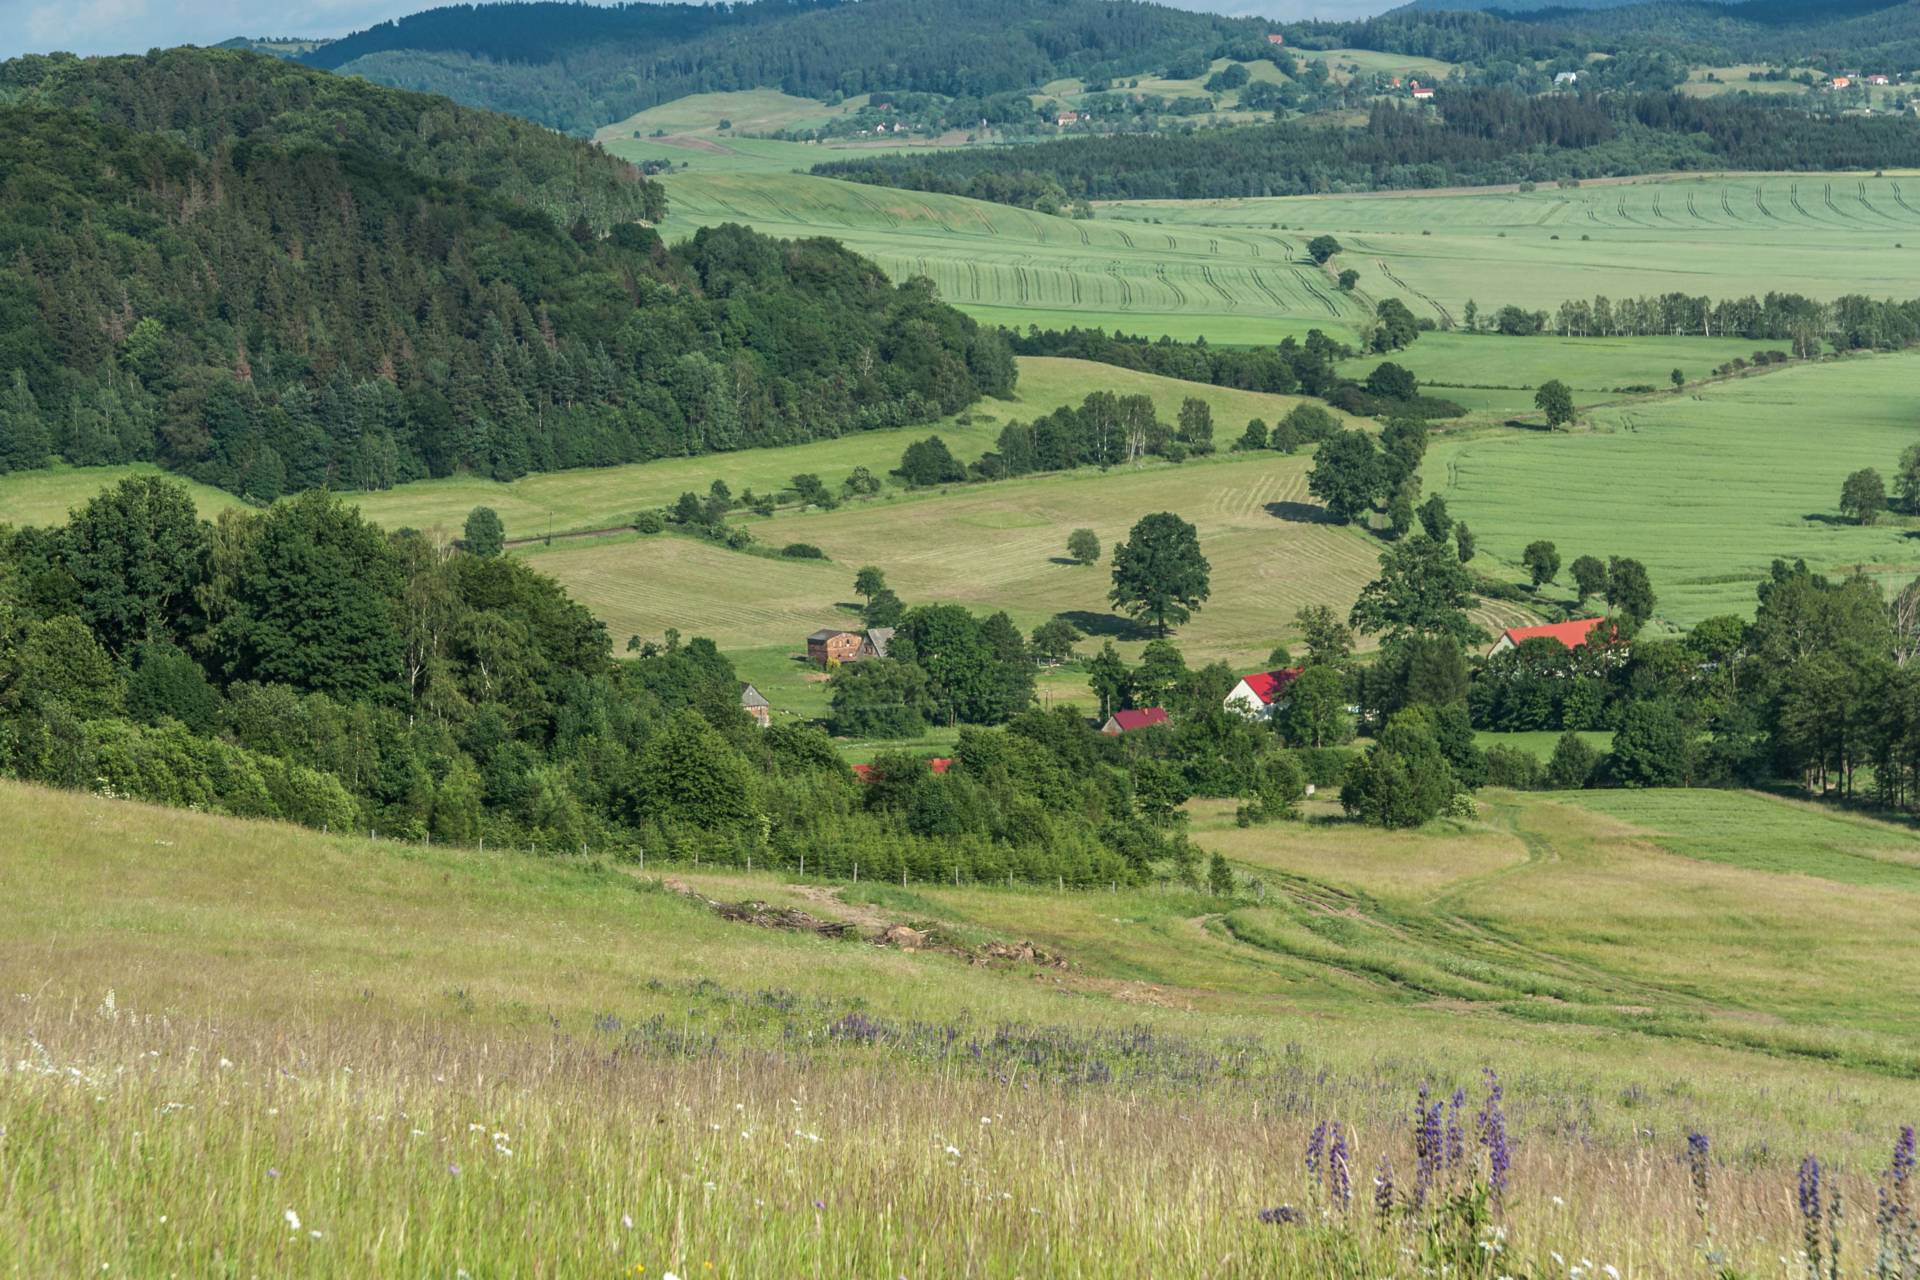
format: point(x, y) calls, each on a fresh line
point(650, 521)
point(1511, 767)
point(802, 551)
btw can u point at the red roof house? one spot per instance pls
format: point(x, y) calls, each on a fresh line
point(1127, 721)
point(1274, 37)
point(1571, 634)
point(939, 764)
point(1257, 695)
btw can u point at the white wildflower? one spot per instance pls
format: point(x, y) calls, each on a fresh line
point(293, 1220)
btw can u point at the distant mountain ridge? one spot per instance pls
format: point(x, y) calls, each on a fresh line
point(576, 67)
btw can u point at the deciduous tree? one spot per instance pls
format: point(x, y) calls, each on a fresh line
point(1159, 575)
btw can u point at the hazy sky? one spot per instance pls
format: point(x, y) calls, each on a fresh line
point(122, 26)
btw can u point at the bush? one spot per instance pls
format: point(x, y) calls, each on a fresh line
point(1511, 767)
point(1573, 763)
point(802, 551)
point(1325, 766)
point(650, 521)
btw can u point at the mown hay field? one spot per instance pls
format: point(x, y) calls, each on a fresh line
point(1708, 487)
point(372, 1056)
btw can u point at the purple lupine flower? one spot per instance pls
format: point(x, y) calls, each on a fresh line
point(1456, 1134)
point(1383, 1187)
point(1902, 1170)
point(1493, 1136)
point(1810, 1213)
point(1698, 1149)
point(1280, 1215)
point(1428, 1145)
point(1316, 1152)
point(1338, 1170)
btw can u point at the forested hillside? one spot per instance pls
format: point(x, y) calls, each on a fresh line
point(272, 279)
point(576, 67)
point(1478, 137)
point(302, 664)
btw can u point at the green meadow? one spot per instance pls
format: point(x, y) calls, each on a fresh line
point(1707, 487)
point(253, 1048)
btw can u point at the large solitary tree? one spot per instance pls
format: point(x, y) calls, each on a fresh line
point(1321, 248)
point(485, 536)
point(1864, 496)
point(1542, 560)
point(1159, 575)
point(1347, 474)
point(1555, 399)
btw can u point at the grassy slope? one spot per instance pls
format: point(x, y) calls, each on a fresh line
point(1707, 488)
point(408, 1012)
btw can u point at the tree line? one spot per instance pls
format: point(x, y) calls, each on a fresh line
point(1478, 136)
point(266, 299)
point(1850, 322)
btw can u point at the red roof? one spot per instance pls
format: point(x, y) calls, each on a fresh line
point(1571, 634)
point(1268, 685)
point(939, 764)
point(1140, 719)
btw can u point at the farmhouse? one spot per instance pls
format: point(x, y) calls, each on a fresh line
point(1567, 77)
point(830, 646)
point(1421, 92)
point(1841, 82)
point(1259, 695)
point(1274, 37)
point(1066, 118)
point(1879, 79)
point(1127, 721)
point(755, 704)
point(1570, 634)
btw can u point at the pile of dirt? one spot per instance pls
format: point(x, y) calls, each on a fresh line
point(788, 918)
point(880, 931)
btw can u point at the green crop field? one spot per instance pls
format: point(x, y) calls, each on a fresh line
point(1707, 488)
point(1234, 271)
point(1005, 264)
point(1722, 236)
point(372, 1055)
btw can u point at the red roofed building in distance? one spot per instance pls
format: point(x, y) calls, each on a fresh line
point(1571, 634)
point(939, 764)
point(1257, 695)
point(1127, 721)
point(1274, 37)
point(1422, 92)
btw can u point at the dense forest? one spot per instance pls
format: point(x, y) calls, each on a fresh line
point(577, 67)
point(1478, 136)
point(272, 279)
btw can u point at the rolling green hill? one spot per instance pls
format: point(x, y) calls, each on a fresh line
point(393, 1046)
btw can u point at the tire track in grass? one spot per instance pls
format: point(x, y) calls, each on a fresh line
point(1126, 290)
point(1179, 295)
point(1314, 290)
point(973, 277)
point(1902, 200)
point(1206, 275)
point(1125, 239)
point(1427, 298)
point(1261, 285)
point(1760, 203)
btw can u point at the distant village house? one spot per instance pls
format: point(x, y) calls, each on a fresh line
point(755, 704)
point(1570, 634)
point(1127, 721)
point(1274, 37)
point(1066, 118)
point(1421, 92)
point(831, 647)
point(1259, 695)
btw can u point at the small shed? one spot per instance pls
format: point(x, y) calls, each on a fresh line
point(755, 704)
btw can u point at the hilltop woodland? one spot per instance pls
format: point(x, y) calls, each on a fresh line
point(307, 280)
point(576, 67)
point(1474, 137)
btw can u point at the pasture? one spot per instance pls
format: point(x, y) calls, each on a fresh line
point(1707, 488)
point(455, 1036)
point(746, 111)
point(998, 546)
